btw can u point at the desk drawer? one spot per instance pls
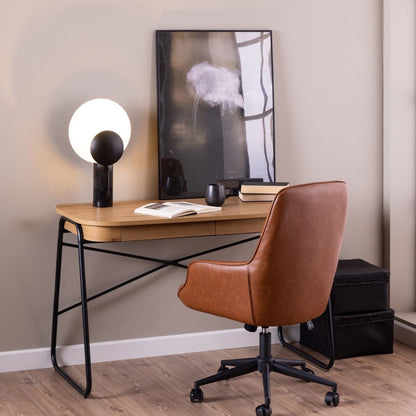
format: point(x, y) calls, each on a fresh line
point(250, 225)
point(155, 232)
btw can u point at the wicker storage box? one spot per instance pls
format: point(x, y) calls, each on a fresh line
point(354, 335)
point(359, 287)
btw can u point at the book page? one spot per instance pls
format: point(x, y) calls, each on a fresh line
point(199, 208)
point(164, 210)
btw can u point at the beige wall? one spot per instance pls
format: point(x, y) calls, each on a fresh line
point(400, 150)
point(54, 55)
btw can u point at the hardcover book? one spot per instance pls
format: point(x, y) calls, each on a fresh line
point(263, 187)
point(256, 197)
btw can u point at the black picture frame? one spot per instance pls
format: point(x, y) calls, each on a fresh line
point(215, 107)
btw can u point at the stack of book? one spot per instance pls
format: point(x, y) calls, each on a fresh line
point(260, 191)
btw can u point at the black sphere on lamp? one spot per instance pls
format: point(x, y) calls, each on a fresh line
point(106, 149)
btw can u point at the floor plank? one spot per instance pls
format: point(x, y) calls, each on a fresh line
point(376, 385)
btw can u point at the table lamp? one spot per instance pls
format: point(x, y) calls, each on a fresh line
point(99, 131)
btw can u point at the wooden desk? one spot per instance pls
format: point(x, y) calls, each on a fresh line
point(119, 223)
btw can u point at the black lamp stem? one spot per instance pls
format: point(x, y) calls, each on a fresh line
point(103, 186)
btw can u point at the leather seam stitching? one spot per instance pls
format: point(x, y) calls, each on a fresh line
point(250, 295)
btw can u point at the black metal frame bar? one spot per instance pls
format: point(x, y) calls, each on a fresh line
point(87, 354)
point(307, 356)
point(81, 247)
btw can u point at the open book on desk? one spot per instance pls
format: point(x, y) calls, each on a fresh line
point(174, 209)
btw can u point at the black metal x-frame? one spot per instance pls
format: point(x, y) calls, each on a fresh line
point(81, 247)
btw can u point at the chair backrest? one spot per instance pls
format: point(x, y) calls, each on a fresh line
point(293, 268)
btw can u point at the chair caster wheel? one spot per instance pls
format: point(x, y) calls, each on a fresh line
point(196, 395)
point(332, 397)
point(262, 410)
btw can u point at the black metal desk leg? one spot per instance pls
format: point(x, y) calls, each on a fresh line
point(87, 355)
point(307, 356)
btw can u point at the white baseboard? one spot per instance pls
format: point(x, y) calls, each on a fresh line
point(32, 359)
point(405, 332)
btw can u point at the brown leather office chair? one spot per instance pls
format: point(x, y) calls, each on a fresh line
point(287, 281)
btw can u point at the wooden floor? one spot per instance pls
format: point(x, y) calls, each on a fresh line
point(382, 385)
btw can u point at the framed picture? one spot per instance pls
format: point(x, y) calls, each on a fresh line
point(215, 109)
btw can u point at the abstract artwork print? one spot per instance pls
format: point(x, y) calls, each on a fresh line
point(215, 109)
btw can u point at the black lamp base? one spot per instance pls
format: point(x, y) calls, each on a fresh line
point(103, 186)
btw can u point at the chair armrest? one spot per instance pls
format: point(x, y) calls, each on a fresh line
point(219, 288)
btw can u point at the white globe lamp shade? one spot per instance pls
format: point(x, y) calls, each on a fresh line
point(93, 117)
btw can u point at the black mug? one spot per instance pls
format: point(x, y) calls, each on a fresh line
point(215, 194)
